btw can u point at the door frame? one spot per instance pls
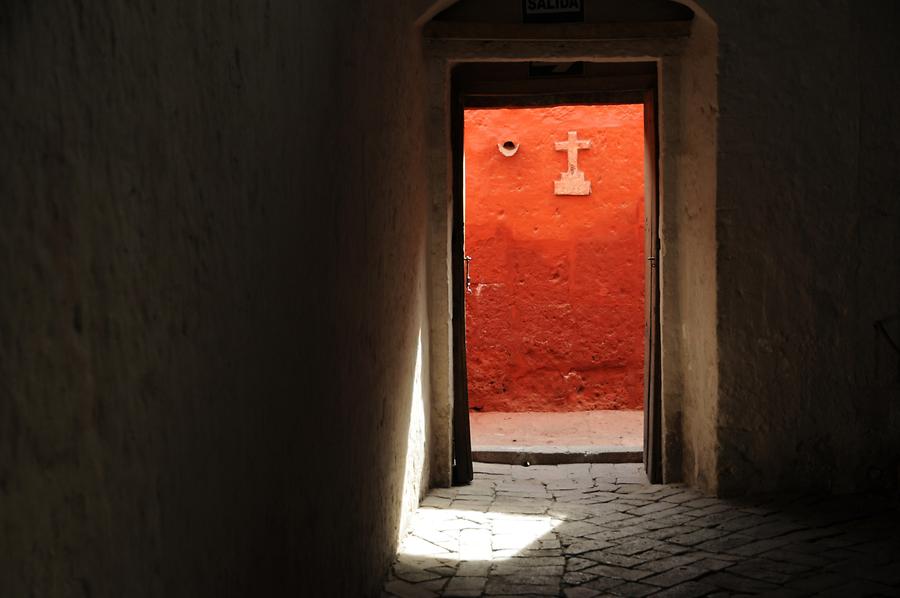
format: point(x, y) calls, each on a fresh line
point(652, 352)
point(462, 440)
point(467, 91)
point(686, 56)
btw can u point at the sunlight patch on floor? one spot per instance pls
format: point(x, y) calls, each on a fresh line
point(475, 536)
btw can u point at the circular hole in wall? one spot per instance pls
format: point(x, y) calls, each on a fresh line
point(508, 147)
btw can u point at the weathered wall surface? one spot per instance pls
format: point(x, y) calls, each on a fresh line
point(808, 230)
point(555, 316)
point(211, 296)
point(688, 110)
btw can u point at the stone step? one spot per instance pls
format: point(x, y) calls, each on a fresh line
point(557, 455)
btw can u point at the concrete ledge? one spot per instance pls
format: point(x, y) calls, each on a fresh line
point(544, 455)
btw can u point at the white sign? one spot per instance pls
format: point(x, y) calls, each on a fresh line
point(546, 7)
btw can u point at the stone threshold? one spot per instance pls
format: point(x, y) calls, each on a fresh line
point(557, 455)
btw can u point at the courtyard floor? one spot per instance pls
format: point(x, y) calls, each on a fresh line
point(573, 428)
point(601, 530)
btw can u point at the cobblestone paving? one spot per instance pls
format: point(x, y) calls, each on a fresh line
point(601, 530)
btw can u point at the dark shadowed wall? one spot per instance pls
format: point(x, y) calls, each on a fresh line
point(211, 296)
point(808, 230)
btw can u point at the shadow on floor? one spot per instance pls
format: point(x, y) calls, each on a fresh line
point(601, 530)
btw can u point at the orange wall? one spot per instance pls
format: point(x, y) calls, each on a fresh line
point(555, 316)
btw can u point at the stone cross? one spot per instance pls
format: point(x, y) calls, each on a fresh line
point(572, 182)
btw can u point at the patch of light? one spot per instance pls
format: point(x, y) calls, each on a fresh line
point(460, 535)
point(415, 446)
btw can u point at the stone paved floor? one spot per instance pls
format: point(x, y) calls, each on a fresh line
point(602, 530)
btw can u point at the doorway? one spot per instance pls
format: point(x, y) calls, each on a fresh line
point(554, 243)
point(555, 289)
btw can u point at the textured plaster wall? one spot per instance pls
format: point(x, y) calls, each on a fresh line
point(212, 284)
point(808, 229)
point(687, 114)
point(555, 313)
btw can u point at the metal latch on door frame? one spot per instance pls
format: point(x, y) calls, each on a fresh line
point(468, 259)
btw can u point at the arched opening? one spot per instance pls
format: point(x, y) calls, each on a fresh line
point(679, 41)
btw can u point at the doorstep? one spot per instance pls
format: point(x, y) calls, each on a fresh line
point(557, 455)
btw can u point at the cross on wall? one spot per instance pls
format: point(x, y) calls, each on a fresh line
point(572, 182)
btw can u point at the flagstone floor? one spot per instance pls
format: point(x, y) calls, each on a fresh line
point(601, 530)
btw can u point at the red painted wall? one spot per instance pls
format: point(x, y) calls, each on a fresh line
point(555, 316)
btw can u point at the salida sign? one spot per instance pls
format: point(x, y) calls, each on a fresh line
point(552, 11)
